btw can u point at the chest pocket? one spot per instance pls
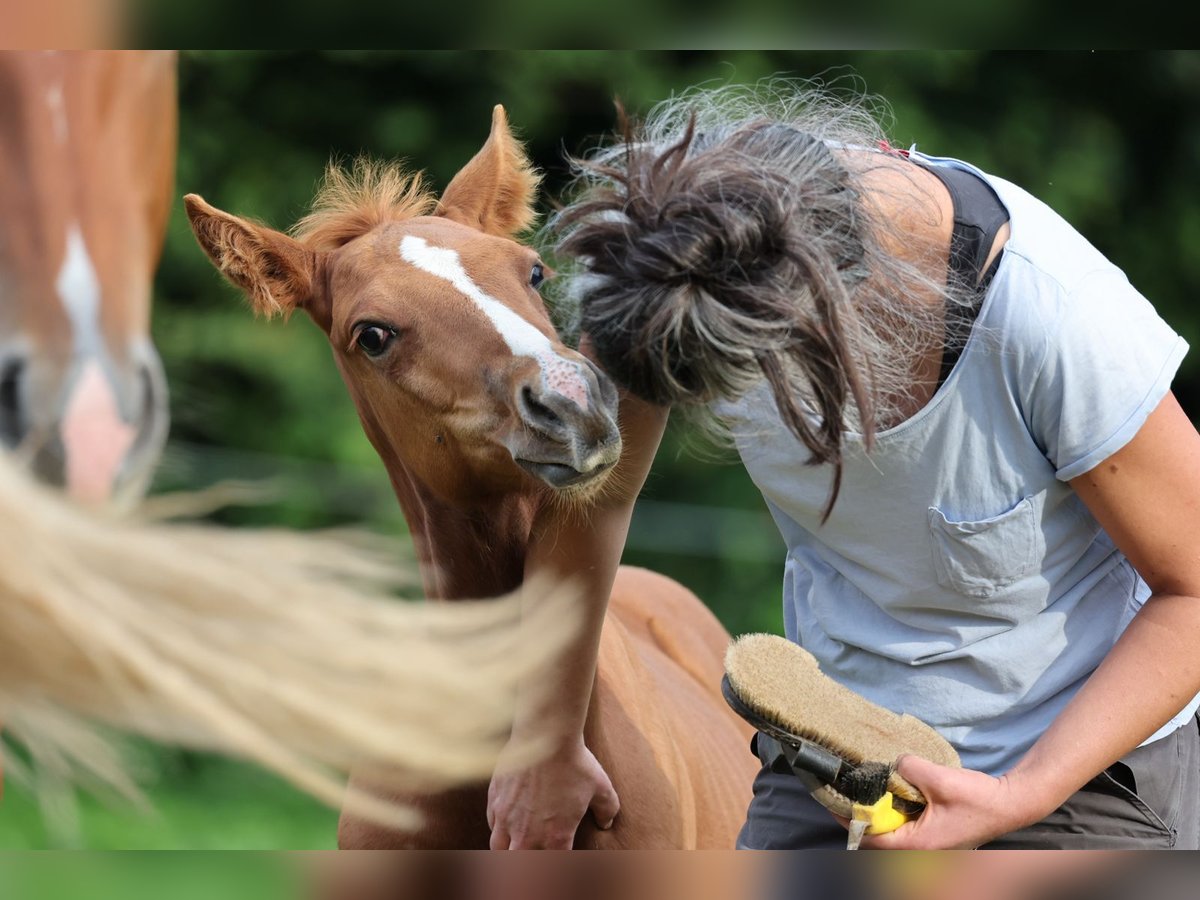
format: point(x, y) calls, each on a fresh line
point(980, 558)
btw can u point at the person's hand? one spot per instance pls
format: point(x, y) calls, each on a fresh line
point(542, 806)
point(964, 809)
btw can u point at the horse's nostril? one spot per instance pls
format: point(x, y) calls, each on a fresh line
point(536, 411)
point(150, 415)
point(149, 401)
point(12, 427)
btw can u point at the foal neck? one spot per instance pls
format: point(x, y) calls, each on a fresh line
point(467, 552)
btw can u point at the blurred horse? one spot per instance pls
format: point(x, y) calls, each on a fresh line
point(283, 648)
point(88, 141)
point(481, 416)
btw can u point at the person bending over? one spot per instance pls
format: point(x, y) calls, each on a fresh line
point(960, 416)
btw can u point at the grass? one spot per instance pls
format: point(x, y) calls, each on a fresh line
point(199, 803)
point(148, 876)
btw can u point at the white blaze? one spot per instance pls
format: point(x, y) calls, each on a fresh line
point(78, 288)
point(95, 438)
point(558, 374)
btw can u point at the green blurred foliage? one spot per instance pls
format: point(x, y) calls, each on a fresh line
point(198, 803)
point(186, 876)
point(672, 23)
point(1109, 139)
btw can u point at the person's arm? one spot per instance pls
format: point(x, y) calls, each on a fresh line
point(1147, 497)
point(542, 806)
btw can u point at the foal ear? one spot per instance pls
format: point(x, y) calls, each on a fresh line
point(494, 192)
point(278, 274)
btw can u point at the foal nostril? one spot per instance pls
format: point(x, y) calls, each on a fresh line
point(12, 419)
point(537, 413)
point(149, 398)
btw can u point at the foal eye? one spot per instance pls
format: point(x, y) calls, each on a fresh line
point(374, 339)
point(537, 276)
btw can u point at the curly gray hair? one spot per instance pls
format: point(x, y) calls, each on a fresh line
point(735, 237)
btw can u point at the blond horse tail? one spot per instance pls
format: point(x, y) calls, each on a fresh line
point(286, 649)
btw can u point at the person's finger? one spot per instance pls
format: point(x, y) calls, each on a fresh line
point(920, 772)
point(500, 839)
point(605, 805)
point(560, 841)
point(548, 840)
point(891, 840)
point(519, 840)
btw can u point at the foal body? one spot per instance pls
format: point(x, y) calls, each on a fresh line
point(656, 722)
point(481, 416)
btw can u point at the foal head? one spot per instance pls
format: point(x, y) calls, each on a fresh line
point(87, 141)
point(436, 324)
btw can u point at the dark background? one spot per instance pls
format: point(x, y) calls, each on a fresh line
point(1111, 140)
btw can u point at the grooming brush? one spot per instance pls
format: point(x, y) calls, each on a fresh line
point(841, 745)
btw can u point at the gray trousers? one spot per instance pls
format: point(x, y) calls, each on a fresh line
point(1150, 799)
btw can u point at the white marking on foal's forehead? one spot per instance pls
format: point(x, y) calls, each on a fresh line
point(559, 374)
point(522, 338)
point(78, 288)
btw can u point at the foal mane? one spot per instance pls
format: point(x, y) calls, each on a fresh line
point(353, 200)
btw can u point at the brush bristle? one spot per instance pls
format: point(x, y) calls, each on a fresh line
point(782, 682)
point(865, 783)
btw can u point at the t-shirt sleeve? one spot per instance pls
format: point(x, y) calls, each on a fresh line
point(1109, 361)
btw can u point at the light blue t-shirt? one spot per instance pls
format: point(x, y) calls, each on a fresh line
point(959, 577)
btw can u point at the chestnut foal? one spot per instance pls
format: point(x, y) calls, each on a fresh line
point(481, 415)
